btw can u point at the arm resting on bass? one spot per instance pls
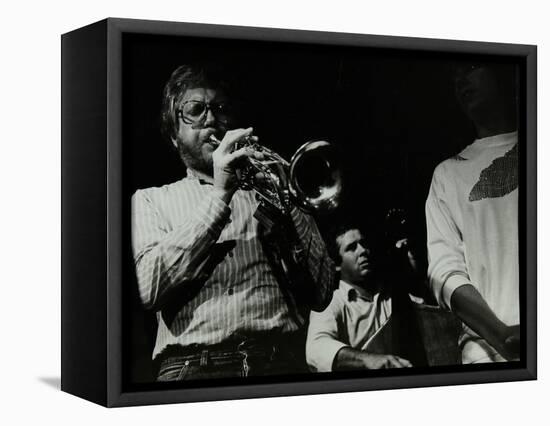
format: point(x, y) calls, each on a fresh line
point(352, 359)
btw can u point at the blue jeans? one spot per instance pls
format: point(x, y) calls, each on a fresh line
point(245, 359)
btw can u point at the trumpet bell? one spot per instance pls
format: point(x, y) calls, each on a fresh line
point(315, 182)
point(311, 181)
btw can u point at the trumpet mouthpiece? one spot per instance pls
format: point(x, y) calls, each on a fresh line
point(214, 139)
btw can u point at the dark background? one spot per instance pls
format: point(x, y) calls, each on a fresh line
point(391, 114)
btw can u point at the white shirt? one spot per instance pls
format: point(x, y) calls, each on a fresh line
point(472, 225)
point(201, 265)
point(352, 319)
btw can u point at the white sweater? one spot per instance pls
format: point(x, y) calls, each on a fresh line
point(472, 224)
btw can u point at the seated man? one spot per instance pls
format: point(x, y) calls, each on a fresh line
point(354, 332)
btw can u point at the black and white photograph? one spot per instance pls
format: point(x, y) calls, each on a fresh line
point(305, 211)
point(278, 212)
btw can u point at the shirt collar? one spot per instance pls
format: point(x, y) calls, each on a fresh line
point(479, 145)
point(353, 292)
point(203, 178)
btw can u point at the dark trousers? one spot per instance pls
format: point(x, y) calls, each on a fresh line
point(250, 357)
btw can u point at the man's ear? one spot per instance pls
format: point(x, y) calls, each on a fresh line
point(338, 268)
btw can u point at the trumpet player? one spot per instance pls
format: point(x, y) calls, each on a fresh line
point(224, 305)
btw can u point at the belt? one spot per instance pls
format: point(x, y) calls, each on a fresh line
point(290, 345)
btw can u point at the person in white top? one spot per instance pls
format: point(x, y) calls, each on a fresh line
point(472, 219)
point(353, 332)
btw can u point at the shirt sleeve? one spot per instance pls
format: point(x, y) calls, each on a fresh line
point(315, 257)
point(166, 258)
point(323, 339)
point(445, 245)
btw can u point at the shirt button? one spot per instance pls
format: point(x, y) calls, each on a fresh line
point(230, 291)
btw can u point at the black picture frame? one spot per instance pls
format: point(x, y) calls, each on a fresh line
point(93, 221)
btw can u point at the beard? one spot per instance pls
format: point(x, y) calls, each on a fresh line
point(196, 159)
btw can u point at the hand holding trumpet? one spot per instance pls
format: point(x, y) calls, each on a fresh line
point(226, 161)
point(239, 161)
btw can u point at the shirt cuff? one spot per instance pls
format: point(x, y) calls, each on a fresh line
point(452, 283)
point(301, 222)
point(323, 360)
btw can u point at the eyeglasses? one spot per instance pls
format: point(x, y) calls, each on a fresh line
point(195, 111)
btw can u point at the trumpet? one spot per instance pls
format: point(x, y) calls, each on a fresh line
point(311, 181)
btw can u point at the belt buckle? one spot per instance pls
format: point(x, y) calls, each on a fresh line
point(204, 359)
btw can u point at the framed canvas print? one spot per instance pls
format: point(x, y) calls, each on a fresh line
point(252, 212)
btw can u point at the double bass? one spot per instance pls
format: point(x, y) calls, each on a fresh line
point(418, 331)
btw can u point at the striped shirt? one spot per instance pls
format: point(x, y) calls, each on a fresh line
point(201, 265)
